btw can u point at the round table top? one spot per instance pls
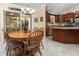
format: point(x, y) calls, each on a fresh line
point(19, 35)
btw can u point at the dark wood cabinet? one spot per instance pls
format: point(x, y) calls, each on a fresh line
point(68, 17)
point(66, 35)
point(57, 18)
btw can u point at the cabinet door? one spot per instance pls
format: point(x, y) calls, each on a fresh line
point(69, 16)
point(57, 18)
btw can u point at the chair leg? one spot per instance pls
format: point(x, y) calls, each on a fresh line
point(20, 50)
point(42, 44)
point(8, 48)
point(7, 45)
point(30, 53)
point(34, 52)
point(7, 51)
point(39, 51)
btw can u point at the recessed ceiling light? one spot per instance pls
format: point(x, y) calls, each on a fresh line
point(25, 12)
point(22, 9)
point(32, 11)
point(28, 9)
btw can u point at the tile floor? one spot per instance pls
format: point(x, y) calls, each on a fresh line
point(51, 48)
point(2, 48)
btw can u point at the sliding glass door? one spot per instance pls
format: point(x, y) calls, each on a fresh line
point(16, 21)
point(12, 21)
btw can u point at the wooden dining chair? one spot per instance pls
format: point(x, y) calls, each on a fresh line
point(12, 45)
point(6, 38)
point(35, 28)
point(4, 34)
point(14, 48)
point(42, 30)
point(34, 43)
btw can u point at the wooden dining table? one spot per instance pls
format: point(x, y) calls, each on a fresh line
point(19, 35)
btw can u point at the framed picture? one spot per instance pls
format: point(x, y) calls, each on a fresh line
point(41, 19)
point(35, 20)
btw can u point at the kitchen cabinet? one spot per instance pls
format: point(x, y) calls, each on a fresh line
point(69, 17)
point(57, 18)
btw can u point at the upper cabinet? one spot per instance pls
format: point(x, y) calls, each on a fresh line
point(69, 17)
point(57, 18)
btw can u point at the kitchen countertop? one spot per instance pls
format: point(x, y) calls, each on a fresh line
point(65, 27)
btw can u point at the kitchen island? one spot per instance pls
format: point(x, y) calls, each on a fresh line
point(68, 35)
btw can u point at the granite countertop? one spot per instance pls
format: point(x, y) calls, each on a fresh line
point(65, 27)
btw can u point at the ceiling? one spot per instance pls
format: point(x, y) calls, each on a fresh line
point(52, 7)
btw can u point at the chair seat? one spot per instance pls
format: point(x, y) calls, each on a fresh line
point(32, 47)
point(14, 43)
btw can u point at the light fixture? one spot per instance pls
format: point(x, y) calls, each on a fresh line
point(32, 11)
point(22, 9)
point(24, 12)
point(28, 9)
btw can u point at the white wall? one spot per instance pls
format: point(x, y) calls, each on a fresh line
point(1, 24)
point(38, 14)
